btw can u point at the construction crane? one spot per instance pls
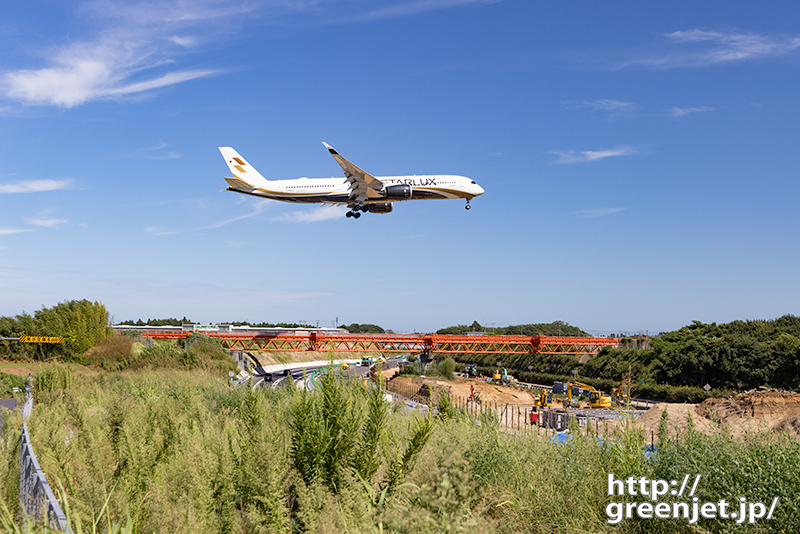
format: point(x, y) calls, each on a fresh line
point(596, 398)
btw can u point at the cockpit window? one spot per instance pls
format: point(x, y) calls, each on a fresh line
point(473, 181)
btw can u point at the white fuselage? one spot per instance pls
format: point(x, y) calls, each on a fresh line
point(337, 190)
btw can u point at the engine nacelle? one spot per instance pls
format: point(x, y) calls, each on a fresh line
point(397, 192)
point(383, 207)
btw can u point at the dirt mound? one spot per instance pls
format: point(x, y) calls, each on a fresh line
point(791, 425)
point(678, 419)
point(754, 411)
point(459, 389)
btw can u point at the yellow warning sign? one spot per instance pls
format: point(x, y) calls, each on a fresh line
point(42, 339)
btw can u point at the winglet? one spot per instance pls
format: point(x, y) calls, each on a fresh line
point(330, 148)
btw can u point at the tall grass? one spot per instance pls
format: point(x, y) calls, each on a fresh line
point(176, 451)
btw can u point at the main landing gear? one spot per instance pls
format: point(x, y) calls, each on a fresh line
point(354, 211)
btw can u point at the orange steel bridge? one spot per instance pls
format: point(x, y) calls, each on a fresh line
point(401, 343)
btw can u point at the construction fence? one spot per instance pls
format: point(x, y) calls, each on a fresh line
point(519, 418)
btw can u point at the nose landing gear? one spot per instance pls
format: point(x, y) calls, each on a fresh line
point(467, 206)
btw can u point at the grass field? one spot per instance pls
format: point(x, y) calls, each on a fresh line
point(175, 450)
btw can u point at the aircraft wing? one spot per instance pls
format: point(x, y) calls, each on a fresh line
point(363, 186)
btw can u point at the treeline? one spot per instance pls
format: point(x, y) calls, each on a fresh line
point(158, 322)
point(180, 322)
point(365, 328)
point(556, 328)
point(266, 325)
point(736, 356)
point(739, 355)
point(82, 323)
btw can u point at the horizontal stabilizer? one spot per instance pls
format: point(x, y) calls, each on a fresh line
point(238, 184)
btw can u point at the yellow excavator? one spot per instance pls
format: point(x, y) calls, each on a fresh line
point(545, 399)
point(596, 398)
point(622, 393)
point(501, 376)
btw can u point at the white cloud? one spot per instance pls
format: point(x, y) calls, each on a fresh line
point(9, 231)
point(258, 207)
point(46, 223)
point(320, 214)
point(597, 212)
point(156, 152)
point(186, 42)
point(34, 186)
point(680, 112)
point(718, 47)
point(571, 156)
point(604, 105)
point(131, 47)
point(92, 71)
point(125, 52)
point(158, 230)
point(403, 9)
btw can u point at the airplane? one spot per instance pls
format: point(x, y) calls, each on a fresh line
point(358, 190)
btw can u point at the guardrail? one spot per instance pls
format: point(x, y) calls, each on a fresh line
point(36, 498)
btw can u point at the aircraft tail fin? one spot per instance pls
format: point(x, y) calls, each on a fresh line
point(245, 175)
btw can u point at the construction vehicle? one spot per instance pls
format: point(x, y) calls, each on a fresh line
point(345, 366)
point(501, 376)
point(545, 399)
point(366, 362)
point(596, 398)
point(622, 393)
point(471, 369)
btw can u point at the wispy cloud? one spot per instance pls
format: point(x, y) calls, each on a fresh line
point(9, 231)
point(710, 47)
point(47, 223)
point(34, 186)
point(126, 51)
point(159, 230)
point(133, 47)
point(603, 105)
point(159, 151)
point(597, 212)
point(316, 215)
point(571, 156)
point(258, 207)
point(680, 112)
point(91, 71)
point(404, 9)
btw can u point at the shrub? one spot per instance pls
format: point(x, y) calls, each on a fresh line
point(446, 368)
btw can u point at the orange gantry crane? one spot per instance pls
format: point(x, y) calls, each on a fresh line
point(401, 343)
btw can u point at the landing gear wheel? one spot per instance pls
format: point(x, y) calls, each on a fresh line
point(348, 214)
point(467, 206)
point(356, 215)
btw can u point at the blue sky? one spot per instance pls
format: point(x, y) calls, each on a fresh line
point(640, 160)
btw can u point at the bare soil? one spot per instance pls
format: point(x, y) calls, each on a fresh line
point(459, 389)
point(743, 414)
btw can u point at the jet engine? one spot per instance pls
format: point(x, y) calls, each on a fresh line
point(383, 207)
point(397, 192)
